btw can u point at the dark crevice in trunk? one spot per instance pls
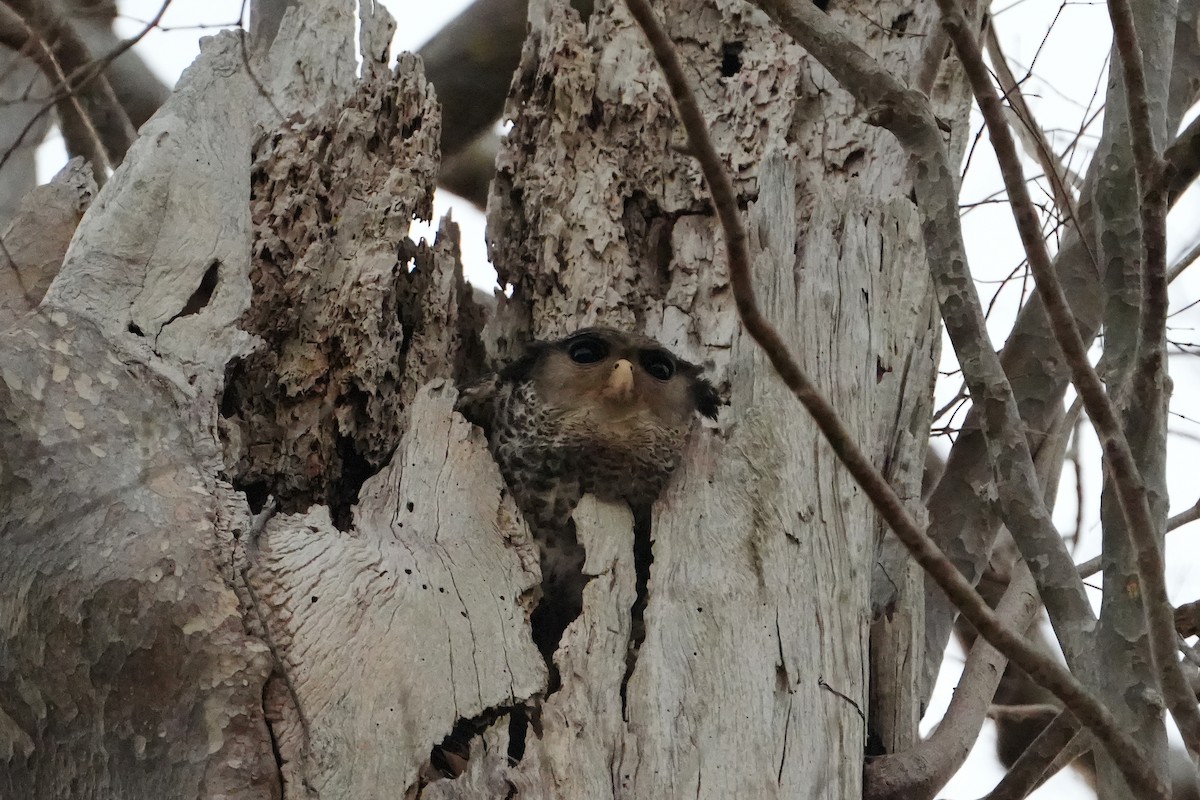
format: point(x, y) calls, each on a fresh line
point(518, 727)
point(562, 597)
point(274, 737)
point(450, 758)
point(643, 557)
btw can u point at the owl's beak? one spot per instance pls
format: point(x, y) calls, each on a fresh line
point(619, 387)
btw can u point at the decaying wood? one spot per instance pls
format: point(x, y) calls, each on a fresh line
point(168, 608)
point(353, 316)
point(391, 637)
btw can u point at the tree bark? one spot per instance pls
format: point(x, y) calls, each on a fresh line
point(602, 202)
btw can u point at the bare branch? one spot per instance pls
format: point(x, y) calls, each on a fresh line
point(962, 516)
point(72, 70)
point(1182, 161)
point(905, 113)
point(1148, 168)
point(1187, 619)
point(1033, 133)
point(1031, 711)
point(80, 80)
point(468, 173)
point(1035, 764)
point(1094, 565)
point(78, 132)
point(1058, 680)
point(1119, 458)
point(922, 770)
point(935, 53)
point(1185, 261)
point(137, 88)
point(470, 63)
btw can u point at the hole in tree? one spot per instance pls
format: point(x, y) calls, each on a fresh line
point(731, 58)
point(204, 292)
point(450, 758)
point(256, 493)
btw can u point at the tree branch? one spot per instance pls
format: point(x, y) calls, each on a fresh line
point(1094, 565)
point(1182, 161)
point(470, 63)
point(137, 89)
point(1148, 168)
point(73, 70)
point(78, 132)
point(906, 115)
point(82, 78)
point(962, 515)
point(924, 769)
point(1187, 619)
point(1032, 767)
point(1118, 456)
point(1185, 261)
point(1073, 694)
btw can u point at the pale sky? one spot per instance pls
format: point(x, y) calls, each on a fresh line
point(1066, 87)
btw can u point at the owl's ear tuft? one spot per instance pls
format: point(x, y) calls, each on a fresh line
point(705, 396)
point(522, 368)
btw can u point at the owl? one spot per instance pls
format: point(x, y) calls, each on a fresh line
point(600, 411)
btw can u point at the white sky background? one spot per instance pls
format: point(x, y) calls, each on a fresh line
point(1066, 87)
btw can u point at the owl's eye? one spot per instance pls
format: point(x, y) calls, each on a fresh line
point(658, 364)
point(588, 350)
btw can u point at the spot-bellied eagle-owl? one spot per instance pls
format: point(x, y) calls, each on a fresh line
point(600, 411)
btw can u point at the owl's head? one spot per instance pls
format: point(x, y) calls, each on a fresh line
point(609, 376)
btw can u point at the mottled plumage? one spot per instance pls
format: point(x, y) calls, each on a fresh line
point(600, 411)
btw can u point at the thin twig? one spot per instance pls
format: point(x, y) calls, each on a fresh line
point(1182, 159)
point(1130, 491)
point(1046, 158)
point(1094, 565)
point(1186, 260)
point(59, 38)
point(1035, 764)
point(80, 79)
point(1125, 751)
point(1077, 465)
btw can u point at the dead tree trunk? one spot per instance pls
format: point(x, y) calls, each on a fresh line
point(249, 550)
